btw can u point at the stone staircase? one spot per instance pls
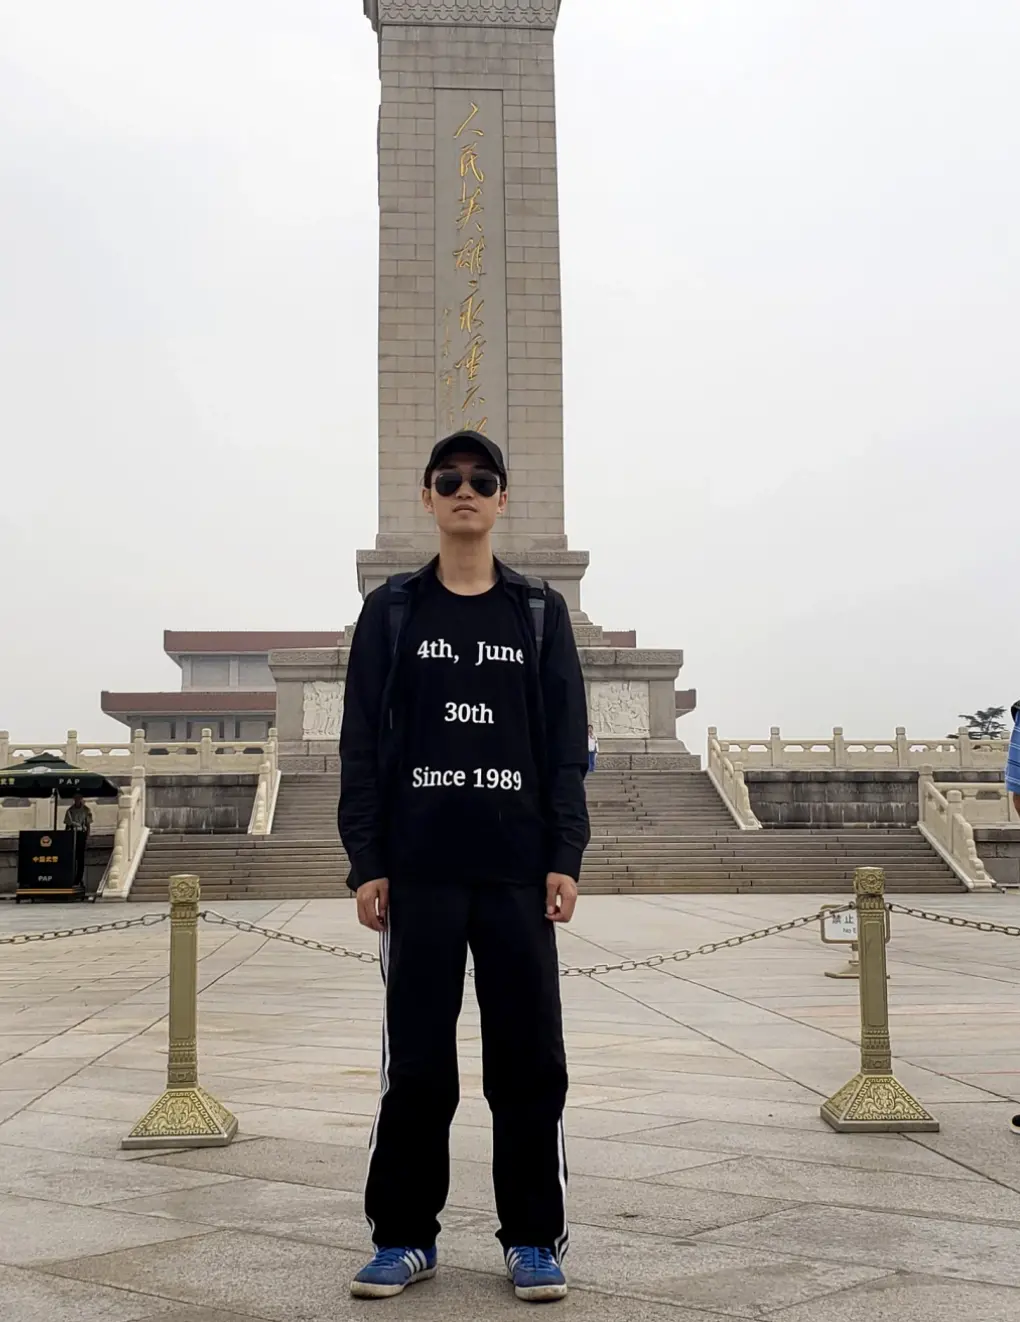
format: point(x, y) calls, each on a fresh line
point(669, 832)
point(302, 860)
point(306, 806)
point(653, 832)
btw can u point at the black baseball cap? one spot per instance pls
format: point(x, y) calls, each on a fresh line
point(470, 442)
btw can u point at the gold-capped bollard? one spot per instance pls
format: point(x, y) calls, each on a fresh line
point(185, 1116)
point(874, 1101)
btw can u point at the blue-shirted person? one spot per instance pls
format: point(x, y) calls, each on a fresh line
point(1013, 786)
point(1013, 758)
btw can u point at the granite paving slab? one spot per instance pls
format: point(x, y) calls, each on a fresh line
point(291, 1211)
point(968, 1198)
point(684, 1271)
point(13, 1100)
point(88, 1181)
point(33, 1230)
point(875, 1152)
point(91, 1135)
point(906, 1298)
point(290, 1281)
point(976, 1251)
point(71, 1100)
point(33, 1296)
point(723, 1106)
point(36, 1075)
point(978, 1137)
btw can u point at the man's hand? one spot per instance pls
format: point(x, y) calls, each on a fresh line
point(373, 904)
point(560, 897)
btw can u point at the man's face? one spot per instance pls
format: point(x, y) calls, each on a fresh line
point(465, 512)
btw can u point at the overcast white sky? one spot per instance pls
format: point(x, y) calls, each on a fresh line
point(791, 256)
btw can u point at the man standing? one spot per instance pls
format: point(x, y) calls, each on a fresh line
point(462, 809)
point(78, 819)
point(1013, 758)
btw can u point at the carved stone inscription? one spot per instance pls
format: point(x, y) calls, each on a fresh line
point(323, 708)
point(620, 709)
point(471, 316)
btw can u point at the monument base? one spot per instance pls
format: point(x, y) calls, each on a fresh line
point(562, 569)
point(632, 703)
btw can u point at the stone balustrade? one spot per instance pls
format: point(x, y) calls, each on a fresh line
point(984, 804)
point(728, 778)
point(129, 840)
point(901, 752)
point(266, 792)
point(199, 756)
point(942, 822)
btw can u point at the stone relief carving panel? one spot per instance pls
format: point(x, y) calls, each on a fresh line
point(504, 13)
point(323, 708)
point(621, 709)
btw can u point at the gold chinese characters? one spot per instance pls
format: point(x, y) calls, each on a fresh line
point(461, 374)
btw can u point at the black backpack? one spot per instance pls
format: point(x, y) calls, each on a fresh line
point(397, 586)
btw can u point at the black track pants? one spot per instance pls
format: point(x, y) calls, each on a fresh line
point(524, 1069)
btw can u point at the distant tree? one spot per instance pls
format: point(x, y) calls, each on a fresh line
point(986, 724)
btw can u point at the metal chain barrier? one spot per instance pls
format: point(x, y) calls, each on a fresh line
point(585, 971)
point(952, 921)
point(590, 971)
point(121, 925)
point(709, 948)
point(219, 919)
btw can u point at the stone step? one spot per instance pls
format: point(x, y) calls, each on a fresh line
point(652, 833)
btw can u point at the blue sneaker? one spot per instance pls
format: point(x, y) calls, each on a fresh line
point(536, 1275)
point(391, 1271)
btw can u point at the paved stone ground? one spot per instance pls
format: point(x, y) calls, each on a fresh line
point(704, 1184)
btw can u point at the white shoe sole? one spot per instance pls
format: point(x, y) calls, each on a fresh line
point(366, 1290)
point(540, 1294)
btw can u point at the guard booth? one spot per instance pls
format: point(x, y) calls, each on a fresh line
point(48, 860)
point(47, 866)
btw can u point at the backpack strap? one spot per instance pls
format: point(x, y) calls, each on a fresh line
point(536, 600)
point(398, 599)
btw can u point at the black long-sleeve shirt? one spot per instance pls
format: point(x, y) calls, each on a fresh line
point(508, 742)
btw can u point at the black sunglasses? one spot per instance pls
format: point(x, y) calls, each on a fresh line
point(449, 483)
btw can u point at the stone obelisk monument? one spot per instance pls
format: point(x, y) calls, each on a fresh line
point(469, 289)
point(470, 337)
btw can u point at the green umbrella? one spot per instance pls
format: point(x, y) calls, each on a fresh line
point(47, 776)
